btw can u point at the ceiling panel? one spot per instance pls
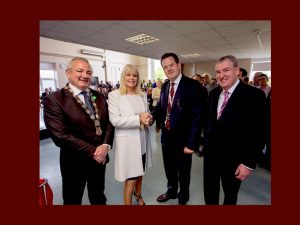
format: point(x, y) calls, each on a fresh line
point(212, 38)
point(205, 35)
point(237, 29)
point(190, 27)
point(224, 23)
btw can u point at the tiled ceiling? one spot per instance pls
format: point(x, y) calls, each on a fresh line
point(211, 38)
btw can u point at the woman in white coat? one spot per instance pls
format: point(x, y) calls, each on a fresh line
point(128, 113)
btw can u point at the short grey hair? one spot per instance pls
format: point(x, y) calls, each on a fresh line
point(71, 62)
point(231, 58)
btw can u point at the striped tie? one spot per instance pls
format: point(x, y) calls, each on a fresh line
point(226, 93)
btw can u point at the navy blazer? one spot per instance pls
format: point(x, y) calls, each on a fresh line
point(238, 134)
point(187, 114)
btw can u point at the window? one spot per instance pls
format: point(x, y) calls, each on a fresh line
point(48, 77)
point(158, 71)
point(263, 66)
point(155, 70)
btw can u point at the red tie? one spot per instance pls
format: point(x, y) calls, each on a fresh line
point(226, 93)
point(170, 100)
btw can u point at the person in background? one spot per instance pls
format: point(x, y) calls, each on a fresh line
point(149, 98)
point(154, 85)
point(207, 84)
point(156, 92)
point(149, 84)
point(78, 122)
point(118, 85)
point(143, 85)
point(263, 84)
point(204, 92)
point(108, 85)
point(213, 83)
point(243, 75)
point(179, 115)
point(45, 93)
point(265, 157)
point(268, 132)
point(197, 77)
point(206, 81)
point(101, 85)
point(128, 112)
point(235, 113)
point(256, 79)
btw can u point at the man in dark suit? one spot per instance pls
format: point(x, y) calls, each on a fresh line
point(77, 120)
point(179, 114)
point(234, 135)
point(268, 132)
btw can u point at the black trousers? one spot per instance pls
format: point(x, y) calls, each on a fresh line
point(177, 167)
point(79, 173)
point(218, 169)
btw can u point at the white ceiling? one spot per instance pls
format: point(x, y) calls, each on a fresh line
point(211, 39)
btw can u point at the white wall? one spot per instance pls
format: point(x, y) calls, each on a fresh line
point(115, 61)
point(209, 67)
point(59, 53)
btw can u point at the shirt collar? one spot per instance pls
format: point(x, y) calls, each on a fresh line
point(75, 89)
point(177, 80)
point(230, 90)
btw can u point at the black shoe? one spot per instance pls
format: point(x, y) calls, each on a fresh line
point(165, 197)
point(182, 200)
point(139, 199)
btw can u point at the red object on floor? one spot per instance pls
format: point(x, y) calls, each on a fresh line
point(45, 193)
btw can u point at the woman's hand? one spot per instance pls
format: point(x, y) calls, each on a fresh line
point(145, 118)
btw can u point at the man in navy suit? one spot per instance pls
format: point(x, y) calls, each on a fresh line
point(179, 114)
point(234, 134)
point(77, 120)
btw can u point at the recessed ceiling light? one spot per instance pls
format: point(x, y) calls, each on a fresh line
point(142, 39)
point(190, 55)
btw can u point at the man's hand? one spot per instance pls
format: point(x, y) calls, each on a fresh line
point(242, 172)
point(100, 153)
point(186, 150)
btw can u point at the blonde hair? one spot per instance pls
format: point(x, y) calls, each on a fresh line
point(130, 69)
point(204, 74)
point(159, 81)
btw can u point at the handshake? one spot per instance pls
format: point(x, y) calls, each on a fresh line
point(146, 119)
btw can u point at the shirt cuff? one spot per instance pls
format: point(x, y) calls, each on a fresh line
point(247, 167)
point(109, 147)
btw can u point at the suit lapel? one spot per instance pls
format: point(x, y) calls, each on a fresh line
point(166, 95)
point(179, 91)
point(233, 100)
point(215, 100)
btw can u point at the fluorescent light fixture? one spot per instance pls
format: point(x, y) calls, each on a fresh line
point(142, 39)
point(193, 55)
point(258, 33)
point(94, 53)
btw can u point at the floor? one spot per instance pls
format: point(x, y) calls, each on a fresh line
point(256, 190)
